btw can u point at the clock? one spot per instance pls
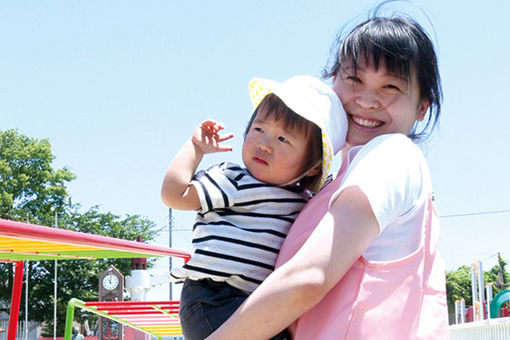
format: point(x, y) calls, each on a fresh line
point(110, 281)
point(111, 288)
point(111, 285)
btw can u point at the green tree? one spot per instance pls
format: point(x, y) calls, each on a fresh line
point(458, 286)
point(31, 188)
point(458, 282)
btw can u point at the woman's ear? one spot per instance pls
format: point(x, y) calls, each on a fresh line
point(422, 110)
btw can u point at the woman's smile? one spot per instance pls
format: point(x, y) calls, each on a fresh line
point(366, 123)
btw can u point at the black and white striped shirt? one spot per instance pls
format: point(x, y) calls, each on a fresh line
point(239, 230)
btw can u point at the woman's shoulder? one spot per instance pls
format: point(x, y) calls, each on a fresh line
point(393, 174)
point(393, 141)
point(392, 148)
point(391, 158)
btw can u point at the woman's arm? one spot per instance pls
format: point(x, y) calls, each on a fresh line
point(343, 234)
point(176, 191)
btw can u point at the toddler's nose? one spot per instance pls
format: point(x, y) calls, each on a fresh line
point(264, 147)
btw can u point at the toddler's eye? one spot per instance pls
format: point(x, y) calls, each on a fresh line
point(258, 129)
point(283, 139)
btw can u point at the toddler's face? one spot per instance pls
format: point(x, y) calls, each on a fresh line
point(273, 153)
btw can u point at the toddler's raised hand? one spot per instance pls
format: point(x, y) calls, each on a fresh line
point(207, 139)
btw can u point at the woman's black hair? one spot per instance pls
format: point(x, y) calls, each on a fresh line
point(402, 47)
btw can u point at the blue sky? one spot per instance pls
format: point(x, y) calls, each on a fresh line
point(118, 86)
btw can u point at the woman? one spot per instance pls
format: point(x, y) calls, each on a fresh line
point(360, 261)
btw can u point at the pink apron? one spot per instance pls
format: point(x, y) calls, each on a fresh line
point(403, 299)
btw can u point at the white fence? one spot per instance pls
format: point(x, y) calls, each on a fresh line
point(492, 329)
point(32, 330)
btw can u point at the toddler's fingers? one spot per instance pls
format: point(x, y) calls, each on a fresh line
point(217, 127)
point(209, 125)
point(223, 148)
point(225, 137)
point(212, 127)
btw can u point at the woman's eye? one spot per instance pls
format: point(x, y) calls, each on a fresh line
point(353, 80)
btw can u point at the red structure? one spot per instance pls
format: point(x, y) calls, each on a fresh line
point(23, 241)
point(138, 262)
point(157, 318)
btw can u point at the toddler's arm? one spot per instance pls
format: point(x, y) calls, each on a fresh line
point(176, 191)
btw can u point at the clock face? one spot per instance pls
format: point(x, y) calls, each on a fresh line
point(110, 282)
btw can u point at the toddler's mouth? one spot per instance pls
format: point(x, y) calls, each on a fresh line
point(260, 160)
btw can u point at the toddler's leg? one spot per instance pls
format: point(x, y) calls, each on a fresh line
point(285, 335)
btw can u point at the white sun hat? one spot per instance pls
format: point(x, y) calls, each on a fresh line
point(313, 100)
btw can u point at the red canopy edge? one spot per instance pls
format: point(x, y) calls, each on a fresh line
point(28, 231)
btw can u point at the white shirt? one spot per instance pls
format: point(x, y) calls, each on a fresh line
point(393, 174)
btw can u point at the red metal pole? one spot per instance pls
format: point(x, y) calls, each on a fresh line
point(15, 300)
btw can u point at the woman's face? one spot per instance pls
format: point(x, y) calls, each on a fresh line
point(377, 102)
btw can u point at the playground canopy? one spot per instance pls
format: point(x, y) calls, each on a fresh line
point(157, 318)
point(23, 241)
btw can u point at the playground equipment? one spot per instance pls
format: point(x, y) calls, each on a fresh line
point(157, 318)
point(484, 307)
point(488, 317)
point(497, 309)
point(23, 241)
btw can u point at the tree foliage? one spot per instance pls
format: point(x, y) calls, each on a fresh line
point(458, 282)
point(30, 188)
point(458, 285)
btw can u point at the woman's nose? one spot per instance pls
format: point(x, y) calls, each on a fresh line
point(367, 99)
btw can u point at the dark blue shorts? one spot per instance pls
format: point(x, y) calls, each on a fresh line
point(206, 304)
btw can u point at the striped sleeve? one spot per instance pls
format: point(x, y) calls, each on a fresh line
point(215, 190)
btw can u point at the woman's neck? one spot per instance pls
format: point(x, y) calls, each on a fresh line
point(345, 151)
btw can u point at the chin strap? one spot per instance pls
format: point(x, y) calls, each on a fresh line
point(297, 179)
